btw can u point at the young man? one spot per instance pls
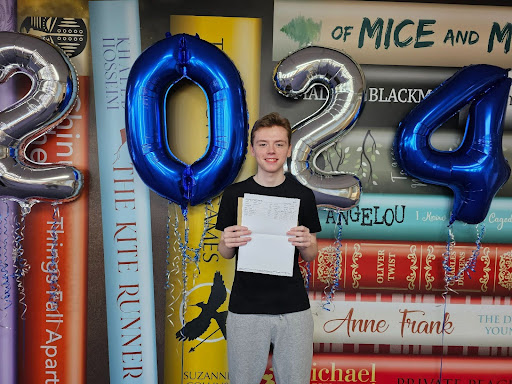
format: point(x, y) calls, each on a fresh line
point(269, 309)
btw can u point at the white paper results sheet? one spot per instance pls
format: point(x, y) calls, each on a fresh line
point(268, 218)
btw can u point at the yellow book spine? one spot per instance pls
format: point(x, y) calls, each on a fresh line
point(205, 358)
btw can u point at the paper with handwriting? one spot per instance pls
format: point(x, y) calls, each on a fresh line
point(268, 218)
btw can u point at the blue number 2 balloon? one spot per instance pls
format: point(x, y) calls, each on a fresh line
point(154, 72)
point(475, 170)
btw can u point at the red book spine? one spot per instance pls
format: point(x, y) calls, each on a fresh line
point(410, 349)
point(392, 369)
point(399, 266)
point(53, 333)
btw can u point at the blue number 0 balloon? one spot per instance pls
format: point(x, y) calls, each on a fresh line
point(154, 72)
point(475, 170)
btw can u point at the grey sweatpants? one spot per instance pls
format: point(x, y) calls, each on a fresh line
point(249, 338)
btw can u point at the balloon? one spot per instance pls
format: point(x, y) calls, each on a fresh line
point(8, 213)
point(50, 99)
point(475, 170)
point(154, 72)
point(344, 80)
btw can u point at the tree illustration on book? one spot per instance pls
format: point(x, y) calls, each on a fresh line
point(336, 158)
point(369, 153)
point(302, 30)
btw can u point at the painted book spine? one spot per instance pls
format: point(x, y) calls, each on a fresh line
point(53, 331)
point(409, 267)
point(129, 288)
point(413, 218)
point(403, 319)
point(365, 369)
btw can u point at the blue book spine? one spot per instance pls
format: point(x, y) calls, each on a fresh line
point(115, 40)
point(413, 217)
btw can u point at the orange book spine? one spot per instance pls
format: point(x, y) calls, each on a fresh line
point(53, 333)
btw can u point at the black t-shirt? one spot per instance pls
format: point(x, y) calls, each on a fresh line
point(256, 293)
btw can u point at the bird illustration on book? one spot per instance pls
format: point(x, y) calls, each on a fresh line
point(209, 310)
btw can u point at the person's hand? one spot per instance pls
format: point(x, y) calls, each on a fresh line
point(235, 236)
point(300, 237)
point(305, 242)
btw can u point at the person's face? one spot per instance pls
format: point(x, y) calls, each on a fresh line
point(270, 148)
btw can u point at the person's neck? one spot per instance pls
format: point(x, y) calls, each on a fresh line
point(271, 180)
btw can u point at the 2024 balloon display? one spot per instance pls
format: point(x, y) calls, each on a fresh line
point(155, 71)
point(344, 80)
point(50, 99)
point(475, 170)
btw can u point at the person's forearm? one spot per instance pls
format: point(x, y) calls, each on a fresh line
point(225, 252)
point(309, 253)
point(231, 238)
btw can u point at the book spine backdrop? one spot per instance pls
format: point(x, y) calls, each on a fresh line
point(206, 353)
point(8, 214)
point(52, 342)
point(115, 39)
point(403, 319)
point(409, 267)
point(335, 368)
point(413, 218)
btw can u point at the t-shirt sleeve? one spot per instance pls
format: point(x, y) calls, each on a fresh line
point(227, 210)
point(311, 219)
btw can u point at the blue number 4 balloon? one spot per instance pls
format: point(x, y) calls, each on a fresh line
point(475, 170)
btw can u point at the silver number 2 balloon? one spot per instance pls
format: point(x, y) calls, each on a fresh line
point(50, 99)
point(344, 80)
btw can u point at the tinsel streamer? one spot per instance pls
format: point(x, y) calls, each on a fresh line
point(5, 299)
point(53, 266)
point(184, 257)
point(186, 254)
point(445, 305)
point(21, 266)
point(308, 275)
point(450, 244)
point(333, 283)
point(451, 277)
point(173, 266)
point(8, 295)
